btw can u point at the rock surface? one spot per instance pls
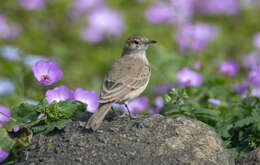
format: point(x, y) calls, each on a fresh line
point(151, 140)
point(252, 158)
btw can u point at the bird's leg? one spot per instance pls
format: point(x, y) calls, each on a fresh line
point(113, 110)
point(130, 114)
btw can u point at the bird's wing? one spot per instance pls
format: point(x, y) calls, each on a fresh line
point(126, 74)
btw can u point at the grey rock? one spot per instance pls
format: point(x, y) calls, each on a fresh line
point(151, 140)
point(252, 158)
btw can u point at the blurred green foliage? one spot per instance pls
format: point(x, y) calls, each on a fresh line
point(51, 33)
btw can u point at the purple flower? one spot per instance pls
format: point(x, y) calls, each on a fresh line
point(82, 6)
point(196, 37)
point(241, 88)
point(92, 35)
point(254, 76)
point(5, 114)
point(154, 111)
point(8, 30)
point(257, 40)
point(252, 59)
point(137, 105)
point(176, 11)
point(47, 72)
point(6, 87)
point(215, 7)
point(159, 104)
point(60, 93)
point(107, 20)
point(90, 98)
point(214, 102)
point(103, 22)
point(40, 116)
point(3, 155)
point(32, 4)
point(196, 65)
point(159, 13)
point(31, 60)
point(16, 128)
point(164, 88)
point(159, 101)
point(189, 78)
point(255, 91)
point(229, 68)
point(183, 10)
point(32, 102)
point(10, 53)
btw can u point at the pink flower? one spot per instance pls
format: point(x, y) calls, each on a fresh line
point(257, 40)
point(196, 37)
point(158, 106)
point(5, 114)
point(40, 116)
point(159, 13)
point(47, 72)
point(32, 4)
point(229, 68)
point(103, 23)
point(254, 76)
point(16, 128)
point(214, 102)
point(189, 78)
point(251, 59)
point(3, 155)
point(196, 65)
point(217, 7)
point(84, 5)
point(90, 98)
point(137, 105)
point(60, 93)
point(9, 30)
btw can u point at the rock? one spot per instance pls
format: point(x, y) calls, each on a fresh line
point(151, 140)
point(252, 158)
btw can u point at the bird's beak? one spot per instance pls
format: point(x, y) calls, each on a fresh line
point(150, 42)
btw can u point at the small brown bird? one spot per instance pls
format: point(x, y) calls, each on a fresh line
point(127, 78)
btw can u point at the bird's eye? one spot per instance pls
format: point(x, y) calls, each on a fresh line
point(136, 42)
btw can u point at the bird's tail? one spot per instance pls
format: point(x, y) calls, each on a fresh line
point(96, 119)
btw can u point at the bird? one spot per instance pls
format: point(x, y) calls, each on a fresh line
point(127, 78)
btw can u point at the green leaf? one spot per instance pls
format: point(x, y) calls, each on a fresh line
point(244, 122)
point(57, 114)
point(57, 125)
point(37, 129)
point(9, 125)
point(224, 130)
point(6, 143)
point(24, 112)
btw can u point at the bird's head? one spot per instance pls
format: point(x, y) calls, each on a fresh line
point(136, 43)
